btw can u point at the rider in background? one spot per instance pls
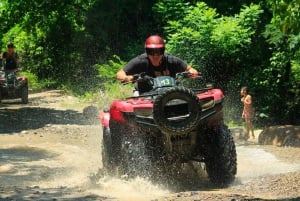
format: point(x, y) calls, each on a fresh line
point(10, 58)
point(154, 62)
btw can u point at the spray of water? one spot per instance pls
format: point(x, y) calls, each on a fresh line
point(255, 162)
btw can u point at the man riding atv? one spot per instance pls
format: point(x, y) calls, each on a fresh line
point(154, 62)
point(173, 120)
point(10, 58)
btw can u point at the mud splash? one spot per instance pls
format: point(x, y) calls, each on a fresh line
point(127, 190)
point(65, 156)
point(28, 166)
point(253, 162)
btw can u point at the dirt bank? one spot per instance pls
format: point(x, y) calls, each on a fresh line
point(50, 151)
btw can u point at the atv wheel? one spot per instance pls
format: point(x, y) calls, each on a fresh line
point(24, 94)
point(106, 150)
point(177, 111)
point(135, 161)
point(221, 165)
point(128, 150)
point(117, 129)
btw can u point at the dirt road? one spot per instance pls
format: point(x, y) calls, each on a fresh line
point(50, 151)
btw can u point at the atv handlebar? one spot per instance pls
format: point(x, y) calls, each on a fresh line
point(141, 77)
point(187, 74)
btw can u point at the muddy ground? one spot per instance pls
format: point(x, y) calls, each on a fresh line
point(50, 151)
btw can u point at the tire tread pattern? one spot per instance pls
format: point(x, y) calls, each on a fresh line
point(221, 165)
point(177, 128)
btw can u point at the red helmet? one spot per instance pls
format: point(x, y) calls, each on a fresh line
point(154, 41)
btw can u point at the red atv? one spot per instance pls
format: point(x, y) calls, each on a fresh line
point(13, 86)
point(178, 121)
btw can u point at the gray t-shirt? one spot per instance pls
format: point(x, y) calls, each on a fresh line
point(170, 65)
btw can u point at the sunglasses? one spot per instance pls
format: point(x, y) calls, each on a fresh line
point(155, 51)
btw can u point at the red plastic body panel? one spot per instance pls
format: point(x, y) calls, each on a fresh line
point(216, 93)
point(117, 107)
point(104, 119)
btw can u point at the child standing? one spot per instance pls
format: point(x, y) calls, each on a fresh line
point(248, 111)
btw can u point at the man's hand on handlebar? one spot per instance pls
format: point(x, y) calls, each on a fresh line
point(128, 78)
point(187, 74)
point(194, 75)
point(131, 78)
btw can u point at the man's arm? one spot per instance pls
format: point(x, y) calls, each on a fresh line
point(121, 75)
point(191, 70)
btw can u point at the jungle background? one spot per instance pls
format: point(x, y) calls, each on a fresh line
point(79, 45)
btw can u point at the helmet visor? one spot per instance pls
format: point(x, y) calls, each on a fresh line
point(155, 51)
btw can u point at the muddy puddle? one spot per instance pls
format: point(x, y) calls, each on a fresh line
point(53, 165)
point(35, 166)
point(53, 154)
point(253, 162)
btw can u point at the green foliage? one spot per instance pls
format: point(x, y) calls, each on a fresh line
point(294, 102)
point(63, 40)
point(233, 34)
point(107, 72)
point(171, 10)
point(204, 30)
point(229, 36)
point(111, 91)
point(231, 7)
point(286, 15)
point(115, 91)
point(110, 88)
point(189, 37)
point(69, 44)
point(213, 43)
point(33, 82)
point(296, 71)
point(280, 77)
point(43, 32)
point(103, 97)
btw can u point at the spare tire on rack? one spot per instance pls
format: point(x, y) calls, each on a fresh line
point(177, 111)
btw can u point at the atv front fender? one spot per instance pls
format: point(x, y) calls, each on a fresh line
point(104, 119)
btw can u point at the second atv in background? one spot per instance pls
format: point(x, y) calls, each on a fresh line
point(13, 86)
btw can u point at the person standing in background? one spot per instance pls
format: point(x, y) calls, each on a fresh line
point(248, 111)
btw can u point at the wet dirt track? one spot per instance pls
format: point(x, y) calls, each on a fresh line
point(50, 151)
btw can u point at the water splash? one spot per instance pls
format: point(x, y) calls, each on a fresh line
point(255, 162)
point(127, 190)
